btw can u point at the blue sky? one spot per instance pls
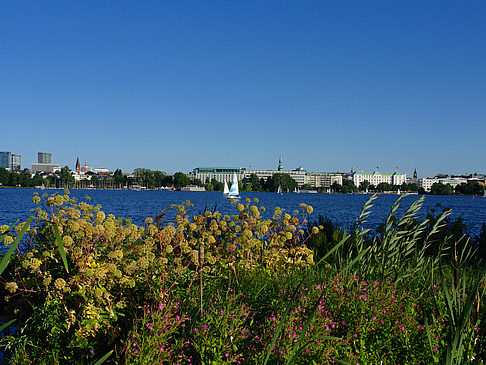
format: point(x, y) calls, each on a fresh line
point(328, 85)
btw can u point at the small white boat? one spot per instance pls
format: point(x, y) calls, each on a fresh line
point(279, 191)
point(234, 192)
point(225, 189)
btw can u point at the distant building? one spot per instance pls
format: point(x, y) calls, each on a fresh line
point(102, 171)
point(300, 175)
point(376, 177)
point(44, 158)
point(221, 174)
point(323, 179)
point(426, 183)
point(45, 167)
point(452, 181)
point(280, 165)
point(414, 179)
point(16, 162)
point(6, 160)
point(10, 161)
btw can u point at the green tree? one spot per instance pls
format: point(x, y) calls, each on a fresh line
point(25, 180)
point(281, 179)
point(65, 177)
point(441, 189)
point(384, 186)
point(473, 188)
point(13, 179)
point(255, 183)
point(181, 180)
point(217, 186)
point(364, 186)
point(348, 186)
point(159, 178)
point(413, 187)
point(169, 181)
point(4, 176)
point(37, 180)
point(118, 178)
point(335, 187)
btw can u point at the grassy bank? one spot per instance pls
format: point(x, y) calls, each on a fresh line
point(88, 287)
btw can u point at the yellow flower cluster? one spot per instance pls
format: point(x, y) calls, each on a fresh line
point(109, 257)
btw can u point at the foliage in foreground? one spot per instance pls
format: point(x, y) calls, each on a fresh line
point(209, 288)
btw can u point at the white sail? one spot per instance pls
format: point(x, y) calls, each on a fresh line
point(226, 189)
point(234, 191)
point(279, 191)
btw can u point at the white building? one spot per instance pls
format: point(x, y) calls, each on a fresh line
point(452, 181)
point(376, 177)
point(221, 174)
point(426, 183)
point(323, 179)
point(302, 177)
point(16, 162)
point(299, 175)
point(45, 167)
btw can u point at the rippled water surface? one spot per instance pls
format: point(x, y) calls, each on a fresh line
point(342, 209)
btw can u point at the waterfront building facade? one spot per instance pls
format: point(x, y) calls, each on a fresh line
point(426, 183)
point(323, 179)
point(221, 174)
point(376, 177)
point(301, 176)
point(44, 158)
point(452, 181)
point(45, 167)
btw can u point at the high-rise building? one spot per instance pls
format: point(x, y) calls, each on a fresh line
point(16, 161)
point(44, 157)
point(6, 160)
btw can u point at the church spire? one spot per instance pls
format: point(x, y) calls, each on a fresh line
point(280, 164)
point(78, 165)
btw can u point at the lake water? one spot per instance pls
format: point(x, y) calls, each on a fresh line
point(342, 209)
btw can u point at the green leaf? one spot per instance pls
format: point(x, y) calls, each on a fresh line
point(103, 359)
point(61, 247)
point(5, 325)
point(14, 244)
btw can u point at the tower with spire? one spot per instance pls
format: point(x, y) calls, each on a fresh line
point(78, 166)
point(280, 164)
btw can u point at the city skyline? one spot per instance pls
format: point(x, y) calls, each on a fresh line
point(280, 168)
point(328, 86)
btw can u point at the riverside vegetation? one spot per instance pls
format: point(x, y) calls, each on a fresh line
point(82, 286)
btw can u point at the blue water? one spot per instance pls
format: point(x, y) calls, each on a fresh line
point(342, 209)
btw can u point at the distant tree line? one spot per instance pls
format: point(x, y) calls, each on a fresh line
point(24, 178)
point(471, 188)
point(151, 179)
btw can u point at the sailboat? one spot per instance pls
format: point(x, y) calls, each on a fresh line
point(279, 191)
point(225, 189)
point(234, 191)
